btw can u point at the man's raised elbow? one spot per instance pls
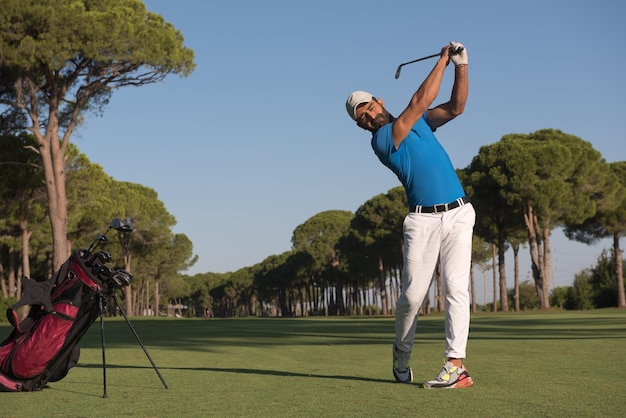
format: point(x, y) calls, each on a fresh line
point(457, 110)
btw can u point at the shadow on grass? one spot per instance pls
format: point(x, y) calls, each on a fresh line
point(242, 371)
point(198, 334)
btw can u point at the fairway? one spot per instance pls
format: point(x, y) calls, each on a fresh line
point(530, 364)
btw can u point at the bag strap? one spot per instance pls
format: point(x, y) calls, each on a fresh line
point(35, 293)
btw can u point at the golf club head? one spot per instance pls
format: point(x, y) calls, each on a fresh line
point(121, 226)
point(102, 271)
point(101, 256)
point(411, 62)
point(122, 278)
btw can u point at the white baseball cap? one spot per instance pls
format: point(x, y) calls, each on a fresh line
point(356, 98)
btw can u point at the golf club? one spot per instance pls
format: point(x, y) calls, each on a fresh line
point(100, 256)
point(118, 225)
point(99, 238)
point(121, 226)
point(422, 59)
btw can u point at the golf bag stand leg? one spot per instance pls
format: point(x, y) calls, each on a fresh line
point(117, 303)
point(104, 362)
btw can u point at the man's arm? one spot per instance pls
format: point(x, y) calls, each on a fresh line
point(453, 108)
point(456, 105)
point(421, 99)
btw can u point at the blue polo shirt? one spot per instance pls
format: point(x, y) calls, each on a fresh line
point(421, 164)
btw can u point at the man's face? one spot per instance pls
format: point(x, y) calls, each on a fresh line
point(372, 115)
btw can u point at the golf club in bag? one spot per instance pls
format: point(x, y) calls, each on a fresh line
point(44, 346)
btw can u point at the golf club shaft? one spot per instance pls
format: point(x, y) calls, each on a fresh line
point(411, 62)
point(419, 59)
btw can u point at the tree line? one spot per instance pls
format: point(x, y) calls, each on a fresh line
point(340, 263)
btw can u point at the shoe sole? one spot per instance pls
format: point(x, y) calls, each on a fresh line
point(461, 384)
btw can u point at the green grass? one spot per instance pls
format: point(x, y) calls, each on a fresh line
point(523, 365)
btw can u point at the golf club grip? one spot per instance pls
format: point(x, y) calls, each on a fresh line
point(452, 52)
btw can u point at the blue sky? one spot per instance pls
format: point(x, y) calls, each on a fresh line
point(257, 139)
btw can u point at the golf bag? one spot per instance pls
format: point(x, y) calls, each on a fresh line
point(44, 346)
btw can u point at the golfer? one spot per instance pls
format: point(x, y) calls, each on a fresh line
point(440, 221)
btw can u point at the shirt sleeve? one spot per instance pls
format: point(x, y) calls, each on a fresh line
point(425, 117)
point(382, 142)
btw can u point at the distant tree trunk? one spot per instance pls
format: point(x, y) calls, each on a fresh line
point(309, 300)
point(516, 277)
point(157, 297)
point(25, 234)
point(128, 290)
point(619, 267)
point(382, 287)
point(314, 297)
point(128, 300)
point(146, 310)
point(538, 253)
point(3, 283)
point(330, 306)
point(52, 153)
point(547, 265)
point(364, 300)
point(494, 257)
point(504, 303)
point(340, 304)
point(282, 303)
point(473, 289)
point(389, 288)
point(13, 290)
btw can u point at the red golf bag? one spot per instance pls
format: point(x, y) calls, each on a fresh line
point(44, 346)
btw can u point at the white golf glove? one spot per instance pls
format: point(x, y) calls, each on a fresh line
point(458, 53)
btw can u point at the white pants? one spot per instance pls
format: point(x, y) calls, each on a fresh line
point(429, 237)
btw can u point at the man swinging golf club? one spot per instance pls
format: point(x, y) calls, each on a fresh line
point(440, 221)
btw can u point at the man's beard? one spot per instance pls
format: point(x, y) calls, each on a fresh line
point(380, 120)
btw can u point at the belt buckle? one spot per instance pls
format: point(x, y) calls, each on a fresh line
point(444, 208)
